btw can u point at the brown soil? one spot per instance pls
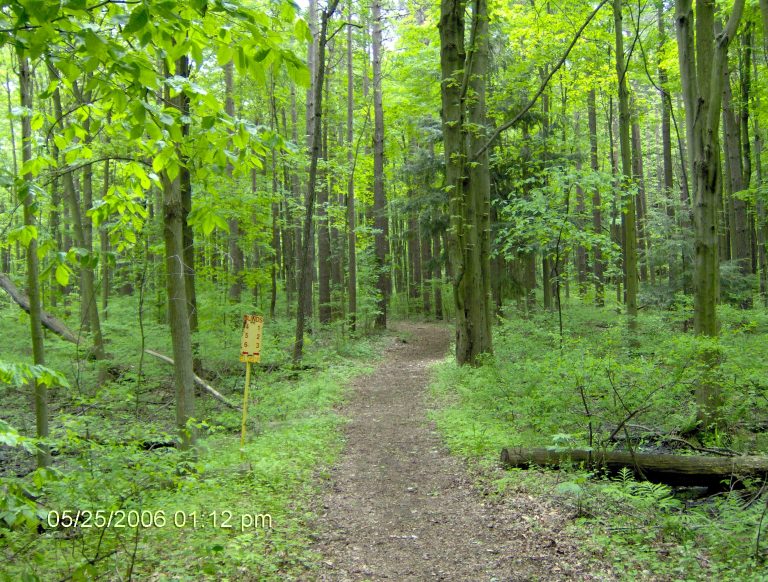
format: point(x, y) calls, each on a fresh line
point(400, 507)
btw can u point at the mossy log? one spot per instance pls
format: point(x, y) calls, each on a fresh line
point(671, 469)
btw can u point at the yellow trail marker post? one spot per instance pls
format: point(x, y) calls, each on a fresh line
point(250, 352)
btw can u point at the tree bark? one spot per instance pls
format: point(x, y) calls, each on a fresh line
point(233, 241)
point(305, 282)
point(467, 174)
point(597, 216)
point(702, 92)
point(174, 221)
point(630, 213)
point(351, 222)
point(381, 224)
point(739, 232)
point(27, 195)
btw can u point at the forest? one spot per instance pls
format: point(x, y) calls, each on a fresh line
point(383, 289)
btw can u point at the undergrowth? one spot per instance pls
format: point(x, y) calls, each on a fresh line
point(112, 458)
point(595, 388)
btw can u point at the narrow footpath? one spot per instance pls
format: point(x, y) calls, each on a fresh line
point(400, 507)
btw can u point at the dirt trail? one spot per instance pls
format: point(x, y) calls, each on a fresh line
point(401, 508)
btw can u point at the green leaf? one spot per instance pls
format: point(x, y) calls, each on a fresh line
point(62, 275)
point(24, 234)
point(138, 20)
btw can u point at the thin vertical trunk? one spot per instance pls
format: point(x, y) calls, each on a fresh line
point(351, 237)
point(437, 276)
point(642, 207)
point(89, 315)
point(762, 258)
point(666, 142)
point(426, 287)
point(381, 224)
point(581, 252)
point(740, 250)
point(628, 217)
point(305, 282)
point(104, 244)
point(597, 216)
point(27, 195)
point(235, 252)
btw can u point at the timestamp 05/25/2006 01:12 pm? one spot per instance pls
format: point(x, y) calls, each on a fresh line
point(145, 518)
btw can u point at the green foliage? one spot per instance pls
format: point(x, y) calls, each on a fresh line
point(533, 393)
point(124, 466)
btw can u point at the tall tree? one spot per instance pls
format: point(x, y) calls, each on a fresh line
point(467, 174)
point(381, 222)
point(27, 194)
point(305, 282)
point(235, 252)
point(174, 219)
point(702, 83)
point(597, 217)
point(629, 215)
point(351, 236)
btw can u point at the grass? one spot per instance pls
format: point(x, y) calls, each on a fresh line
point(532, 392)
point(100, 434)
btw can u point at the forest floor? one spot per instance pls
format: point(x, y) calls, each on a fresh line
point(400, 507)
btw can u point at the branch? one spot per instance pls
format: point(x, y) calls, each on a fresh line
point(198, 380)
point(543, 86)
point(341, 27)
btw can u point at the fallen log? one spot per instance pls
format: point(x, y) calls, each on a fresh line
point(48, 320)
point(671, 469)
point(198, 380)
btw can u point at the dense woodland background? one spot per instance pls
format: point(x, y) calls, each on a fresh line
point(563, 169)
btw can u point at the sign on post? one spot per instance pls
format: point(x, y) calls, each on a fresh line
point(250, 345)
point(250, 353)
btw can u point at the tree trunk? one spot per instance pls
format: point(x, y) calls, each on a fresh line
point(89, 314)
point(305, 282)
point(381, 223)
point(666, 143)
point(702, 82)
point(467, 174)
point(646, 268)
point(739, 233)
point(351, 223)
point(174, 219)
point(322, 225)
point(597, 216)
point(628, 217)
point(235, 252)
point(27, 195)
point(437, 275)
